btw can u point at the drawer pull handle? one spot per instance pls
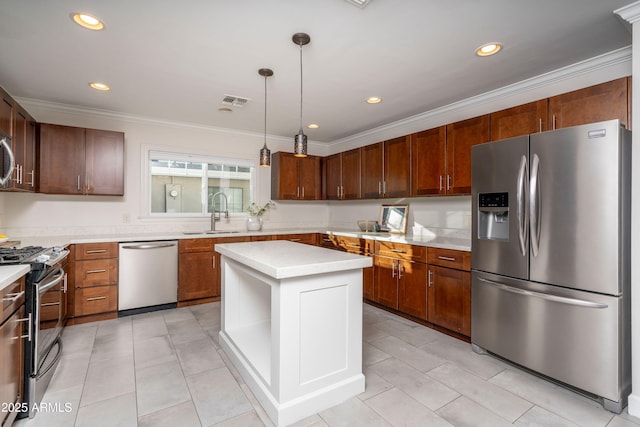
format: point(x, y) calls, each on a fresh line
point(446, 258)
point(49, 304)
point(96, 271)
point(13, 297)
point(295, 240)
point(29, 322)
point(324, 239)
point(96, 298)
point(353, 245)
point(399, 251)
point(97, 251)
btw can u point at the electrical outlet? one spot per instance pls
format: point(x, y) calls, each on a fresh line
point(126, 218)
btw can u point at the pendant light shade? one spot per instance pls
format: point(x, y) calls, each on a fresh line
point(265, 153)
point(300, 140)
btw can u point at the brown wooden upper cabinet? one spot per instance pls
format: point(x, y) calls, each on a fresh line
point(521, 120)
point(342, 176)
point(461, 136)
point(75, 160)
point(428, 167)
point(386, 169)
point(18, 124)
point(295, 178)
point(606, 101)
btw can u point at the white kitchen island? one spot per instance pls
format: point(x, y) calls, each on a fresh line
point(292, 324)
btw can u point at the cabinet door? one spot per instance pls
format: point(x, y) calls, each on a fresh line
point(461, 136)
point(61, 158)
point(372, 169)
point(412, 287)
point(198, 276)
point(351, 174)
point(18, 145)
point(368, 283)
point(597, 103)
point(397, 167)
point(428, 154)
point(6, 113)
point(449, 299)
point(521, 120)
point(332, 170)
point(285, 174)
point(11, 363)
point(104, 162)
point(386, 277)
point(310, 178)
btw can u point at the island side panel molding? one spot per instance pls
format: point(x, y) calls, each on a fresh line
point(305, 376)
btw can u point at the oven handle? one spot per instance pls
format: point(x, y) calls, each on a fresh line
point(55, 278)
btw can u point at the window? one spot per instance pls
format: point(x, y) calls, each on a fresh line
point(183, 184)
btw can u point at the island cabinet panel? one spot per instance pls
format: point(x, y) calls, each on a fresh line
point(93, 277)
point(12, 333)
point(372, 171)
point(295, 178)
point(449, 289)
point(199, 269)
point(461, 136)
point(428, 165)
point(597, 103)
point(521, 120)
point(75, 160)
point(397, 167)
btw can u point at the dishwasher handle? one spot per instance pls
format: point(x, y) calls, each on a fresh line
point(150, 246)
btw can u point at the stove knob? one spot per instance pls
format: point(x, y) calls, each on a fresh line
point(43, 258)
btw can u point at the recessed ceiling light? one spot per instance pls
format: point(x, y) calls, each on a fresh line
point(225, 110)
point(87, 21)
point(99, 86)
point(489, 49)
point(374, 100)
point(313, 126)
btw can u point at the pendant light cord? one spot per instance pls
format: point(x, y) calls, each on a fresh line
point(265, 111)
point(301, 87)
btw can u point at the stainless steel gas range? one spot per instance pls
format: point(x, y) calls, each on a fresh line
point(45, 307)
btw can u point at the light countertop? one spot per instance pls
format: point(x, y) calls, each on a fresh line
point(446, 242)
point(283, 259)
point(11, 273)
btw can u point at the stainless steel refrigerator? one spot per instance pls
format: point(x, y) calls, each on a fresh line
point(551, 256)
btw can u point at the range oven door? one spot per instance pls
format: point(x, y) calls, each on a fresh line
point(48, 317)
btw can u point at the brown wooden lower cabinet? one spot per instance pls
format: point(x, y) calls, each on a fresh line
point(11, 351)
point(306, 238)
point(95, 300)
point(449, 299)
point(386, 287)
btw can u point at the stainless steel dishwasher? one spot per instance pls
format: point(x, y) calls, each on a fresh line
point(148, 276)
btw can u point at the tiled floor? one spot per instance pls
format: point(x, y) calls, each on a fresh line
point(166, 369)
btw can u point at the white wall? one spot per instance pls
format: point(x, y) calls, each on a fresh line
point(40, 214)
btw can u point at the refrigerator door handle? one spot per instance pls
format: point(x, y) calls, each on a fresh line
point(522, 207)
point(555, 298)
point(534, 205)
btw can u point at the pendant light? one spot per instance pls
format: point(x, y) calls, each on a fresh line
point(300, 140)
point(265, 153)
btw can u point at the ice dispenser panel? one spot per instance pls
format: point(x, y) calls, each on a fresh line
point(493, 216)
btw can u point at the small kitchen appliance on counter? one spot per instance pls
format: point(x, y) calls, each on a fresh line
point(551, 256)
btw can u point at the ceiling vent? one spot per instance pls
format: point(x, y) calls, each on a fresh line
point(234, 101)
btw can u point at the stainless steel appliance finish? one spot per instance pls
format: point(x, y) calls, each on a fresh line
point(148, 275)
point(45, 290)
point(7, 160)
point(551, 255)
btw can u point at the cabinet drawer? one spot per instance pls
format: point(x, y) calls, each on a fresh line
point(451, 258)
point(12, 298)
point(196, 245)
point(97, 272)
point(96, 250)
point(308, 238)
point(100, 299)
point(329, 241)
point(401, 251)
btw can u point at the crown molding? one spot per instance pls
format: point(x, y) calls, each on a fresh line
point(607, 60)
point(630, 12)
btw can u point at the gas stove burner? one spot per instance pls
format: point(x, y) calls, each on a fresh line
point(19, 255)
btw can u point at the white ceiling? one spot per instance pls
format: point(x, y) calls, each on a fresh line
point(175, 60)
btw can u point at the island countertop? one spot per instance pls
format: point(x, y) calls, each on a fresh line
point(282, 259)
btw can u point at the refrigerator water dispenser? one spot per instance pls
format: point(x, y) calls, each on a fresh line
point(493, 216)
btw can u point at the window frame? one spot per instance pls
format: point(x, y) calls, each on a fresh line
point(169, 153)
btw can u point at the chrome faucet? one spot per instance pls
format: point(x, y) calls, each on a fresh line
point(215, 218)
